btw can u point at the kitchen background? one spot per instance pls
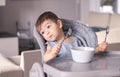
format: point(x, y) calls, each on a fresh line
point(17, 17)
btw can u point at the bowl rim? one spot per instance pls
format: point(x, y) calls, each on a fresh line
point(88, 48)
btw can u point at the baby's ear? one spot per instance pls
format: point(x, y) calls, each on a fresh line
point(59, 23)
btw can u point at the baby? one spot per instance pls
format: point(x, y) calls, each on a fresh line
point(49, 27)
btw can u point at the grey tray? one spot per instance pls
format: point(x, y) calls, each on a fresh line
point(102, 65)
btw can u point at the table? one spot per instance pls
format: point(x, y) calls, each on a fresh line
point(102, 65)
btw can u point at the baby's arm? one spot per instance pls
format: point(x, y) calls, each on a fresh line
point(51, 53)
point(102, 47)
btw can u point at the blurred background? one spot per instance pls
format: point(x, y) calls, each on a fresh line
point(18, 17)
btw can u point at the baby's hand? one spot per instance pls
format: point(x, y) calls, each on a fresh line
point(102, 47)
point(56, 49)
point(49, 55)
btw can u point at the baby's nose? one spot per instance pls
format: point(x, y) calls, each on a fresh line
point(48, 33)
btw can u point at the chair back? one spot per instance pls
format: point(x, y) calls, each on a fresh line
point(85, 34)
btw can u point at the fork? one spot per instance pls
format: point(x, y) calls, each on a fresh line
point(108, 28)
point(107, 32)
point(68, 34)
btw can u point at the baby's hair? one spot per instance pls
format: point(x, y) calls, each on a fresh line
point(46, 15)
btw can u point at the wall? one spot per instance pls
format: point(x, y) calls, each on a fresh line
point(27, 11)
point(2, 2)
point(84, 10)
point(118, 6)
point(102, 20)
point(94, 5)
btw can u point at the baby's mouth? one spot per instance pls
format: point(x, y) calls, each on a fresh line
point(50, 36)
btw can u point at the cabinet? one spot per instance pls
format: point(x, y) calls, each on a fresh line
point(24, 34)
point(9, 46)
point(2, 2)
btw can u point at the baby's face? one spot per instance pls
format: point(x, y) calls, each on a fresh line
point(50, 30)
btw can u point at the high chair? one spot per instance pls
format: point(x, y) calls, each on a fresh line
point(85, 34)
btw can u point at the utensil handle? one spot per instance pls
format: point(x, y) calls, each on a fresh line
point(105, 38)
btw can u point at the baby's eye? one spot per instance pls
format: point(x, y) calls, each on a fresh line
point(42, 32)
point(48, 26)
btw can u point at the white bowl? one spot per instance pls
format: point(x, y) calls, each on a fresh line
point(82, 54)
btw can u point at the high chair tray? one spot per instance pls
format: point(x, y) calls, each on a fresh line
point(102, 65)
